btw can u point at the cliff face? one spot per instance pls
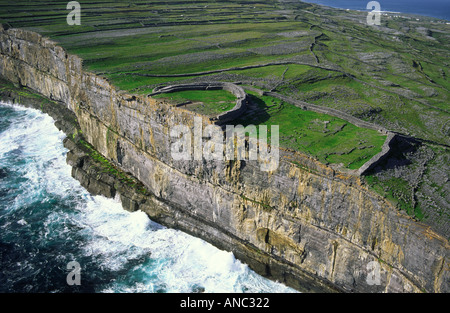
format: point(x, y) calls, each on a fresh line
point(303, 224)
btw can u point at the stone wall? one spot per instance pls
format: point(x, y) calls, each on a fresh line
point(237, 111)
point(330, 111)
point(379, 157)
point(304, 224)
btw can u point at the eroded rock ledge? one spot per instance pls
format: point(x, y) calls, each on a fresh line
point(304, 224)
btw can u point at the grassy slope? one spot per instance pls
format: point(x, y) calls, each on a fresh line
point(329, 139)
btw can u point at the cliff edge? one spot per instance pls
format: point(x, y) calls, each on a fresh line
point(304, 224)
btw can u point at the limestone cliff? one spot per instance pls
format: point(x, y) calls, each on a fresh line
point(303, 224)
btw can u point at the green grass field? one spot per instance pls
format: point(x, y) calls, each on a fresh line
point(399, 71)
point(327, 138)
point(206, 102)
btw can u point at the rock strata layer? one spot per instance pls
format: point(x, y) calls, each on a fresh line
point(304, 224)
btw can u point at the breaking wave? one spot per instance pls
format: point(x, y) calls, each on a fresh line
point(47, 219)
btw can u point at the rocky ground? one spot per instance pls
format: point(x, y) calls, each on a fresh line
point(416, 176)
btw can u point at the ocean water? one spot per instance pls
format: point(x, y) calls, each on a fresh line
point(47, 219)
point(434, 8)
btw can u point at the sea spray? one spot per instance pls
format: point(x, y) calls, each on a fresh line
point(48, 220)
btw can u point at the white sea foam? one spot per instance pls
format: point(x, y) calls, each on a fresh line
point(39, 154)
point(22, 222)
point(148, 256)
point(179, 262)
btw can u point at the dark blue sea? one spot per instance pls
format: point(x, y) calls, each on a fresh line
point(434, 8)
point(47, 219)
